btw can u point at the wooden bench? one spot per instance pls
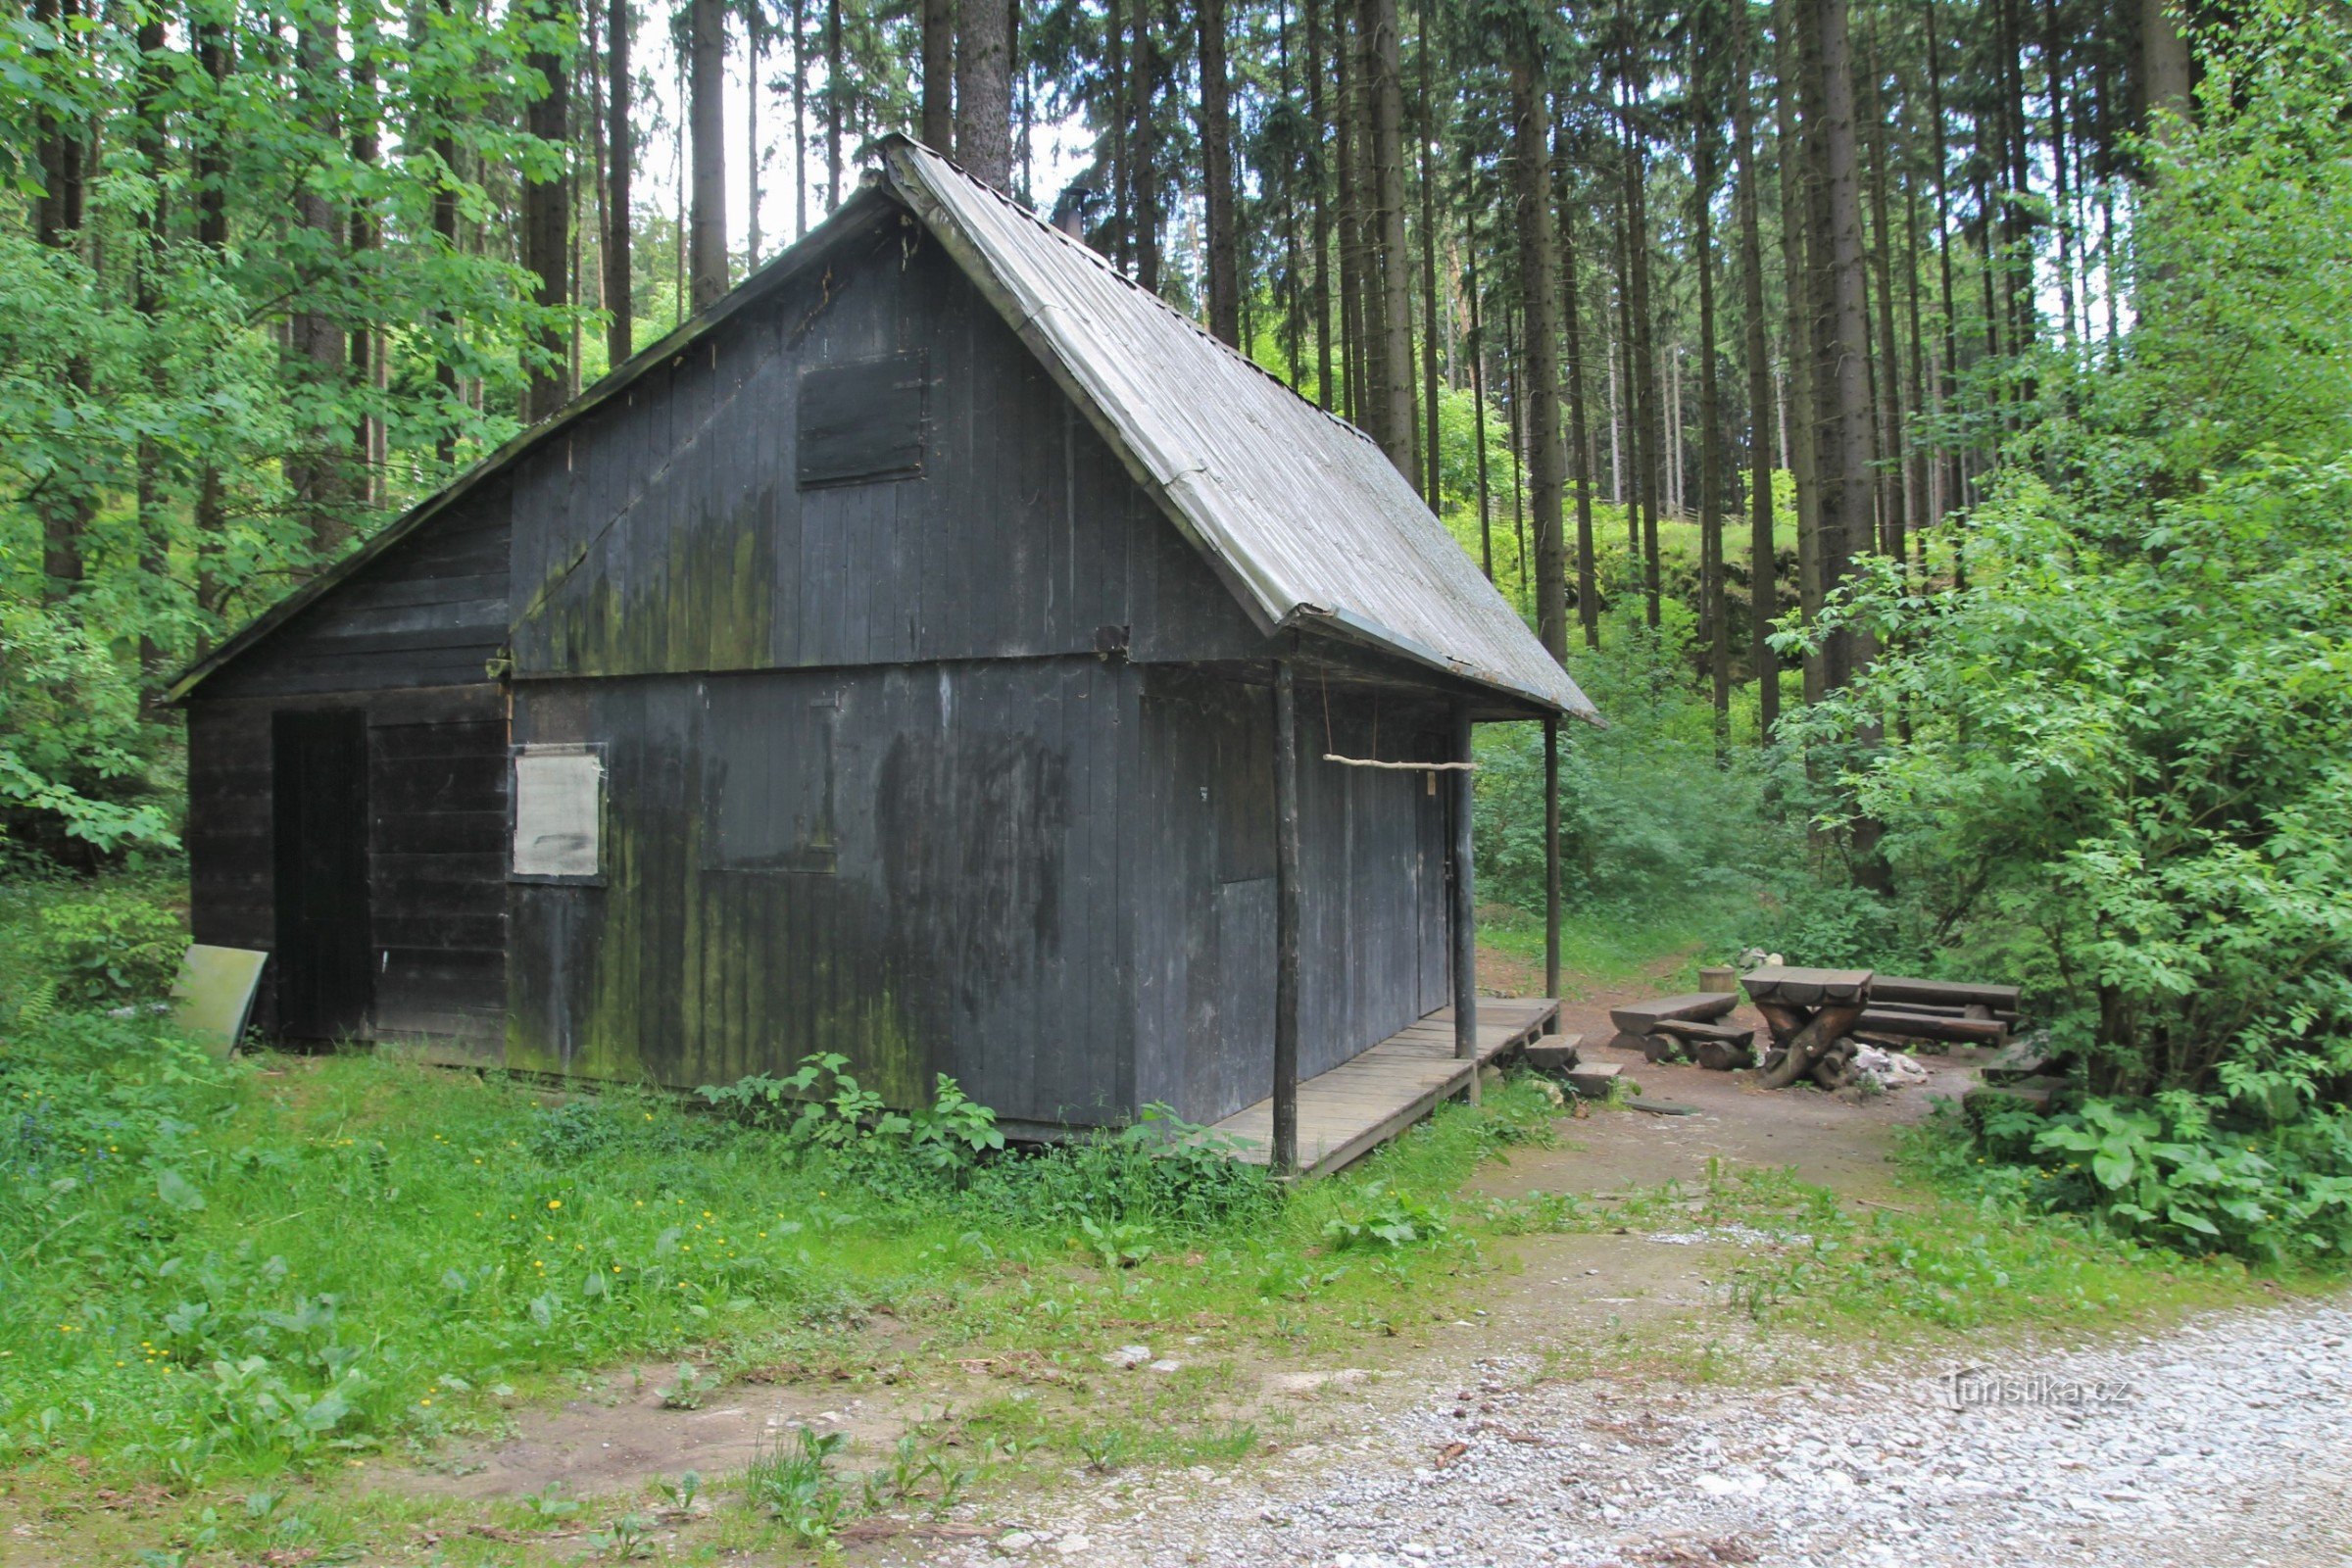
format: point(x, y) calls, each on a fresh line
point(1637, 1020)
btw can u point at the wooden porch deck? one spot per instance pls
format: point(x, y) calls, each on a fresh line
point(1346, 1113)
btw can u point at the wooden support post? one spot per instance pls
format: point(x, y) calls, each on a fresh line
point(1285, 922)
point(1465, 908)
point(1551, 867)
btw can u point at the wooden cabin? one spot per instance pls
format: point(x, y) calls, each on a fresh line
point(909, 658)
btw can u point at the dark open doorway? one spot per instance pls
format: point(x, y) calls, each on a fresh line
point(320, 769)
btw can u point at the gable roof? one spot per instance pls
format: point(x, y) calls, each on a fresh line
point(1305, 515)
point(1302, 514)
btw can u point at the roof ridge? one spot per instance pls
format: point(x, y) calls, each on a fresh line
point(1104, 263)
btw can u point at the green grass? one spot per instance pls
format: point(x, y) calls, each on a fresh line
point(1611, 947)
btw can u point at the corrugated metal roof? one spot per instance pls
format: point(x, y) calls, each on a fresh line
point(1304, 515)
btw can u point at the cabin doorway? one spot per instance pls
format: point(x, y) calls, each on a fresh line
point(320, 774)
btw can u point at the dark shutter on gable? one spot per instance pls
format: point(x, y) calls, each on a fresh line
point(864, 421)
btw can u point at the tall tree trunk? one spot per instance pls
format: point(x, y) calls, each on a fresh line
point(445, 234)
point(57, 225)
point(1145, 140)
point(1947, 388)
point(620, 333)
point(984, 91)
point(1843, 396)
point(319, 475)
point(149, 142)
point(1762, 557)
point(1348, 120)
point(1644, 360)
point(1580, 448)
point(1892, 541)
point(1216, 171)
point(939, 73)
point(707, 55)
point(1540, 367)
point(1797, 183)
point(547, 211)
point(754, 34)
point(367, 343)
point(1704, 70)
point(208, 28)
point(797, 9)
point(1428, 128)
point(1318, 177)
point(1478, 405)
point(2062, 210)
point(1391, 259)
point(2164, 68)
point(837, 96)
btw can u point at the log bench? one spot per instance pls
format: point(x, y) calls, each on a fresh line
point(1637, 1020)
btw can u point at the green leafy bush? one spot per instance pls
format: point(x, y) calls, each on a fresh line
point(113, 948)
point(2164, 1172)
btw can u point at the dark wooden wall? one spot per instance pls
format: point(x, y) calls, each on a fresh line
point(900, 767)
point(669, 530)
point(943, 889)
point(436, 830)
point(1372, 869)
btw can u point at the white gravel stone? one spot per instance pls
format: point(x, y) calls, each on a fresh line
point(2222, 1441)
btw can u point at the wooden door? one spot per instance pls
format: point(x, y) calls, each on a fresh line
point(319, 815)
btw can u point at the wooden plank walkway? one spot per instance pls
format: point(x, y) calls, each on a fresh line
point(1346, 1113)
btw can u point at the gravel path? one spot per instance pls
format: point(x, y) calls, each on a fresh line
point(2224, 1442)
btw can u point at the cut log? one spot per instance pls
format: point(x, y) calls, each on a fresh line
point(1640, 1017)
point(1724, 1055)
point(2036, 1095)
point(1934, 1026)
point(1945, 993)
point(1808, 988)
point(1784, 1021)
point(1693, 1030)
point(1554, 1054)
point(1593, 1078)
point(1824, 1029)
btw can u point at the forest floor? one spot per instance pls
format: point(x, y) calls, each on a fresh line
point(1619, 1351)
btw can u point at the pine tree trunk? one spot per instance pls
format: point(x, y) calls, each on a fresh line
point(707, 55)
point(1762, 557)
point(547, 215)
point(209, 166)
point(939, 73)
point(836, 101)
point(1646, 367)
point(1798, 274)
point(1841, 393)
point(1391, 259)
point(753, 35)
point(984, 91)
point(367, 344)
point(1349, 220)
point(2164, 69)
point(1948, 384)
point(1318, 177)
point(1428, 128)
point(1478, 405)
point(1580, 448)
point(1539, 365)
point(319, 473)
point(1895, 541)
point(1711, 435)
point(1216, 171)
point(1145, 140)
point(621, 149)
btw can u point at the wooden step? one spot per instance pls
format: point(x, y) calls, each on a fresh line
point(1554, 1052)
point(1593, 1079)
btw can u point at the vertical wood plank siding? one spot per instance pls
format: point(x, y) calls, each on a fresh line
point(965, 771)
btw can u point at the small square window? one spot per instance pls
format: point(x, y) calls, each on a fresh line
point(863, 421)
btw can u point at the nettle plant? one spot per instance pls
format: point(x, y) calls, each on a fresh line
point(820, 1105)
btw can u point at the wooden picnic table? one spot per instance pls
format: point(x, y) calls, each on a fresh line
point(1808, 1010)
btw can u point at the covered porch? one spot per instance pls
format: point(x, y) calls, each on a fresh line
point(1346, 1113)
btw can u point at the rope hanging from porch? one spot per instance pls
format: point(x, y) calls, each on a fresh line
point(1323, 678)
